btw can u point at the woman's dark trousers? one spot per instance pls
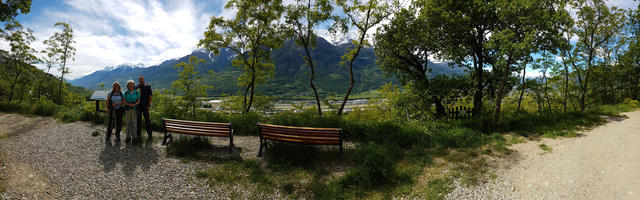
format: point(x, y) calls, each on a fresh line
point(115, 116)
point(143, 112)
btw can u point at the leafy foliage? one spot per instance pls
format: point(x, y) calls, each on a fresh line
point(189, 84)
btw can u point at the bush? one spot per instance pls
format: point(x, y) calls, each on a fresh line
point(245, 124)
point(15, 108)
point(376, 165)
point(456, 138)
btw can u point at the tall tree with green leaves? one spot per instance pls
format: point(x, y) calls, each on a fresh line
point(465, 27)
point(595, 24)
point(62, 47)
point(404, 48)
point(302, 17)
point(363, 16)
point(251, 34)
point(9, 9)
point(49, 59)
point(631, 57)
point(188, 83)
point(524, 27)
point(21, 53)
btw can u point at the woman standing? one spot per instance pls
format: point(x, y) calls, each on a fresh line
point(114, 107)
point(131, 100)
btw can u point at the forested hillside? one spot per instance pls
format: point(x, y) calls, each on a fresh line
point(290, 76)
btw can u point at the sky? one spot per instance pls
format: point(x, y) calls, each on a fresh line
point(147, 32)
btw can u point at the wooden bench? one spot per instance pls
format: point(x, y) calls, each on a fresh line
point(197, 128)
point(300, 135)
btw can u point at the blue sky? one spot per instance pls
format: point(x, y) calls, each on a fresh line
point(113, 32)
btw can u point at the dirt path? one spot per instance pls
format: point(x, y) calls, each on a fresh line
point(43, 159)
point(603, 163)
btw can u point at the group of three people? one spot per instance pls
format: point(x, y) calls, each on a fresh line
point(134, 104)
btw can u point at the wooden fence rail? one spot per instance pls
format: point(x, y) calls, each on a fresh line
point(459, 112)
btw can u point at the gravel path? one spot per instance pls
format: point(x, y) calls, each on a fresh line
point(603, 163)
point(50, 160)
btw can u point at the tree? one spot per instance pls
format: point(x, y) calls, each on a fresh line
point(302, 17)
point(631, 57)
point(9, 9)
point(49, 59)
point(363, 15)
point(188, 83)
point(595, 24)
point(464, 30)
point(61, 45)
point(404, 47)
point(252, 34)
point(21, 53)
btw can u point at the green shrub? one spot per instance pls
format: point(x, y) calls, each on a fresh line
point(375, 166)
point(15, 108)
point(245, 124)
point(456, 138)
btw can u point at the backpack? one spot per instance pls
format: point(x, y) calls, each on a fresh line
point(111, 97)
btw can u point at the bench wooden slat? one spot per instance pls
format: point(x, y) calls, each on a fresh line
point(298, 128)
point(180, 129)
point(302, 140)
point(323, 132)
point(196, 122)
point(337, 136)
point(301, 137)
point(199, 127)
point(197, 133)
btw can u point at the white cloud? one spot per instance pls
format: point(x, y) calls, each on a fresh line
point(113, 32)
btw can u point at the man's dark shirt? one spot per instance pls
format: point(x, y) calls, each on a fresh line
point(145, 94)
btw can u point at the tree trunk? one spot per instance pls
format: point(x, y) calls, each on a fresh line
point(313, 74)
point(546, 90)
point(252, 92)
point(637, 82)
point(524, 73)
point(21, 93)
point(64, 65)
point(440, 111)
point(351, 79)
point(244, 102)
point(566, 87)
point(500, 94)
point(477, 97)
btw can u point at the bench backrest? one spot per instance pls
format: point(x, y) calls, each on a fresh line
point(306, 135)
point(197, 128)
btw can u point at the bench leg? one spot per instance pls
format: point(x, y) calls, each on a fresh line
point(340, 153)
point(231, 143)
point(167, 136)
point(164, 140)
point(260, 150)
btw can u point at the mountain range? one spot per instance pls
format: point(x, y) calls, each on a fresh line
point(291, 74)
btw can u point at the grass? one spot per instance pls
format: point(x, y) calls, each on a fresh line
point(545, 148)
point(391, 159)
point(95, 133)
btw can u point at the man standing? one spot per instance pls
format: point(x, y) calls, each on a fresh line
point(146, 96)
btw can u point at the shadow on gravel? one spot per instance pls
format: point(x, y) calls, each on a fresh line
point(129, 156)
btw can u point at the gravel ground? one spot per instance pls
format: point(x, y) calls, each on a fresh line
point(63, 161)
point(603, 163)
